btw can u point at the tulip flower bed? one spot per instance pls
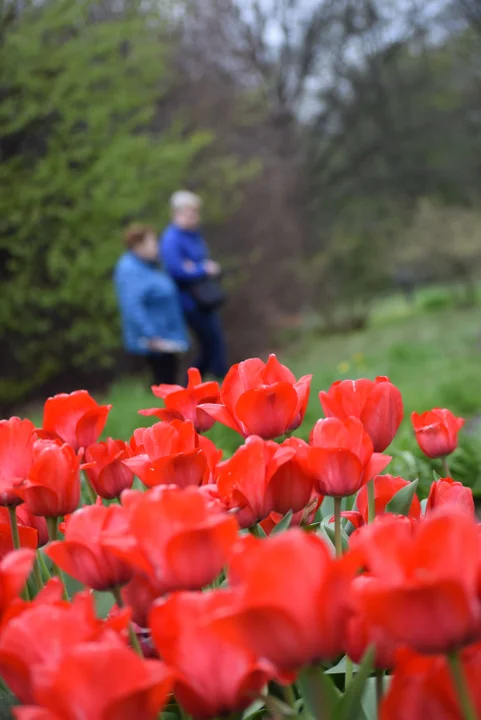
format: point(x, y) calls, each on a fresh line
point(292, 579)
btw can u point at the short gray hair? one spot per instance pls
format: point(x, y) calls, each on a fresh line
point(185, 199)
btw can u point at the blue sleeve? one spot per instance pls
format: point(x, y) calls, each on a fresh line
point(171, 254)
point(131, 292)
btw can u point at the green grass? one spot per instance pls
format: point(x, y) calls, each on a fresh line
point(434, 358)
point(432, 355)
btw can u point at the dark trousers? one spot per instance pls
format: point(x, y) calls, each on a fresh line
point(164, 367)
point(207, 328)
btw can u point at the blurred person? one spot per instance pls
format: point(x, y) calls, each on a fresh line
point(186, 258)
point(152, 319)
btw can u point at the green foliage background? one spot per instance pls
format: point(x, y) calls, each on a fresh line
point(79, 158)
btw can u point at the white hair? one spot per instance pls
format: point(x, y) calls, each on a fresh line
point(184, 199)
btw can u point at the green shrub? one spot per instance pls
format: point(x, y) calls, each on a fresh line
point(79, 159)
point(436, 299)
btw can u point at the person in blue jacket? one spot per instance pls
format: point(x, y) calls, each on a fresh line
point(152, 320)
point(186, 258)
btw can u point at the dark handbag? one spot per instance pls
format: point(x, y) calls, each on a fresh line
point(208, 293)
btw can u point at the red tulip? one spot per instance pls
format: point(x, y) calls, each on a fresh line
point(14, 571)
point(213, 456)
point(83, 555)
point(51, 594)
point(447, 491)
point(174, 538)
point(77, 419)
point(377, 404)
point(42, 635)
point(385, 487)
point(108, 475)
point(139, 595)
point(261, 399)
point(99, 681)
point(27, 535)
point(222, 675)
point(53, 485)
point(62, 525)
point(183, 403)
point(361, 635)
point(136, 443)
point(172, 455)
point(422, 687)
point(27, 520)
point(437, 432)
point(342, 457)
point(262, 477)
point(17, 438)
point(425, 595)
point(294, 597)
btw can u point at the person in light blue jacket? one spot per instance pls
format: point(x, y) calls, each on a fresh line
point(152, 318)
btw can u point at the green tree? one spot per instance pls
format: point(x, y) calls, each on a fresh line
point(80, 156)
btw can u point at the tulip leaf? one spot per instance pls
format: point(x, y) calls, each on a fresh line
point(330, 532)
point(350, 707)
point(369, 699)
point(436, 476)
point(278, 709)
point(283, 524)
point(254, 709)
point(104, 602)
point(319, 693)
point(326, 509)
point(340, 668)
point(400, 503)
point(257, 531)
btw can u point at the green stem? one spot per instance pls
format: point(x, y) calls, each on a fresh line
point(371, 502)
point(43, 567)
point(52, 526)
point(446, 470)
point(461, 687)
point(38, 575)
point(349, 671)
point(379, 687)
point(337, 526)
point(339, 553)
point(89, 491)
point(290, 695)
point(12, 511)
point(134, 640)
point(183, 714)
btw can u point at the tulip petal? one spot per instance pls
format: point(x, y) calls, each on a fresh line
point(240, 378)
point(183, 470)
point(91, 425)
point(162, 391)
point(195, 558)
point(375, 466)
point(338, 472)
point(383, 414)
point(32, 712)
point(161, 413)
point(269, 411)
point(430, 619)
point(221, 414)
